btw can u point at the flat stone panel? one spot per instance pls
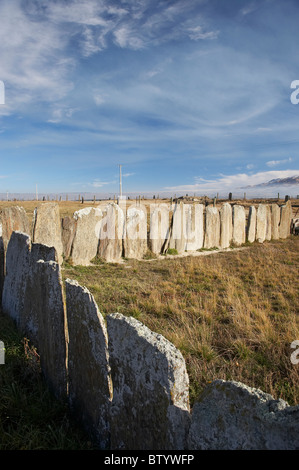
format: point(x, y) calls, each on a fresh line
point(150, 406)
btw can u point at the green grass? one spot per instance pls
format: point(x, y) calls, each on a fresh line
point(30, 417)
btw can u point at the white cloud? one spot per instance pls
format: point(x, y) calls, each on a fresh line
point(272, 163)
point(229, 183)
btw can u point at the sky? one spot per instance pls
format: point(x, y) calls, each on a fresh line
point(189, 96)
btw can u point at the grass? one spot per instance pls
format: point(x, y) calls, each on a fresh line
point(233, 315)
point(30, 417)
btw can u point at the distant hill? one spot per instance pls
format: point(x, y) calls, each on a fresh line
point(290, 181)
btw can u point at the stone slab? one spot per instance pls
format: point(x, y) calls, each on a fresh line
point(212, 228)
point(233, 416)
point(47, 227)
point(150, 406)
point(90, 387)
point(86, 239)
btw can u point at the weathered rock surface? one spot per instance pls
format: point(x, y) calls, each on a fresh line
point(69, 225)
point(239, 225)
point(86, 239)
point(286, 214)
point(261, 223)
point(150, 406)
point(13, 219)
point(34, 295)
point(17, 267)
point(135, 239)
point(193, 223)
point(212, 228)
point(52, 326)
point(177, 238)
point(90, 387)
point(232, 416)
point(47, 227)
point(251, 224)
point(268, 223)
point(159, 228)
point(111, 234)
point(275, 220)
point(226, 226)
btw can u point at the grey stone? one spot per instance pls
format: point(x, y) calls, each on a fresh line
point(251, 224)
point(150, 406)
point(90, 387)
point(269, 223)
point(275, 220)
point(286, 214)
point(239, 225)
point(13, 219)
point(111, 233)
point(33, 294)
point(233, 416)
point(226, 227)
point(135, 239)
point(159, 227)
point(86, 239)
point(69, 225)
point(212, 228)
point(177, 239)
point(47, 227)
point(17, 267)
point(261, 223)
point(193, 225)
point(52, 329)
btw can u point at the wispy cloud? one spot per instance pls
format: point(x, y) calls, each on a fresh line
point(272, 163)
point(232, 182)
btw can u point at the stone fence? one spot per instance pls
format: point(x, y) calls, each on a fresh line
point(127, 385)
point(114, 232)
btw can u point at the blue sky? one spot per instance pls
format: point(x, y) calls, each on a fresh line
point(190, 96)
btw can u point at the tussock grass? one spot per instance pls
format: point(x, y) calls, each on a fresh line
point(233, 315)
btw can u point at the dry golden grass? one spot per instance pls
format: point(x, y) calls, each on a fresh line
point(232, 315)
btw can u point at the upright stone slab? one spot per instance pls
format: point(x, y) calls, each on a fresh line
point(261, 223)
point(69, 225)
point(51, 322)
point(34, 295)
point(13, 219)
point(286, 215)
point(47, 227)
point(193, 226)
point(239, 225)
point(159, 227)
point(86, 240)
point(111, 234)
point(251, 224)
point(17, 268)
point(232, 416)
point(275, 220)
point(177, 239)
point(150, 407)
point(212, 228)
point(90, 387)
point(226, 227)
point(269, 223)
point(135, 239)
